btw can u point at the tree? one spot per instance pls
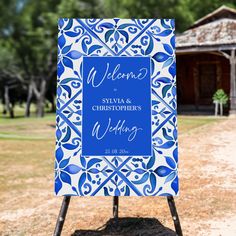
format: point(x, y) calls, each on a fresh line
point(178, 9)
point(220, 98)
point(28, 32)
point(30, 28)
point(30, 48)
point(11, 86)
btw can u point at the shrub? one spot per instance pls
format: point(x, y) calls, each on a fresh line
point(220, 96)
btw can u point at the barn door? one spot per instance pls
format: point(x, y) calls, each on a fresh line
point(207, 82)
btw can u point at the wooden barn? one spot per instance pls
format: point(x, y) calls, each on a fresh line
point(206, 61)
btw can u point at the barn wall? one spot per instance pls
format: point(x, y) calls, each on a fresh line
point(199, 75)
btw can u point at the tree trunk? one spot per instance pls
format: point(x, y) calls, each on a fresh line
point(28, 102)
point(41, 99)
point(4, 111)
point(221, 109)
point(40, 108)
point(8, 104)
point(53, 106)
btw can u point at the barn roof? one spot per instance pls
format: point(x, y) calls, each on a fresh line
point(222, 12)
point(217, 29)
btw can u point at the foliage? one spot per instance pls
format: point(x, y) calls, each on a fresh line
point(28, 32)
point(220, 96)
point(185, 12)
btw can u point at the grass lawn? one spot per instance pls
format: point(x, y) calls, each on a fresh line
point(27, 147)
point(189, 123)
point(26, 151)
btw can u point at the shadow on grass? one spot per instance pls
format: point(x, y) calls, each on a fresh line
point(7, 117)
point(129, 227)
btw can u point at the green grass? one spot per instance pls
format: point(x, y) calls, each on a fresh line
point(189, 123)
point(27, 149)
point(34, 128)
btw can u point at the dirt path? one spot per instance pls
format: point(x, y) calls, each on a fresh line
point(206, 204)
point(209, 160)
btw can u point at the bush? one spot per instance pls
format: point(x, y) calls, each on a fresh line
point(220, 96)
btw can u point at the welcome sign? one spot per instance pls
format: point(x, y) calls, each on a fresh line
point(116, 132)
point(116, 119)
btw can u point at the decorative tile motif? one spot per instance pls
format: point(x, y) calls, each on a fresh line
point(116, 176)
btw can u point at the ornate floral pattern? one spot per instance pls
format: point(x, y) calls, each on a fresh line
point(116, 176)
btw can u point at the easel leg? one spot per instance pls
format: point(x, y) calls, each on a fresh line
point(115, 207)
point(174, 215)
point(62, 216)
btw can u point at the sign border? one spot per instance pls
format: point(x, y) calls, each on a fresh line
point(150, 102)
point(77, 175)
